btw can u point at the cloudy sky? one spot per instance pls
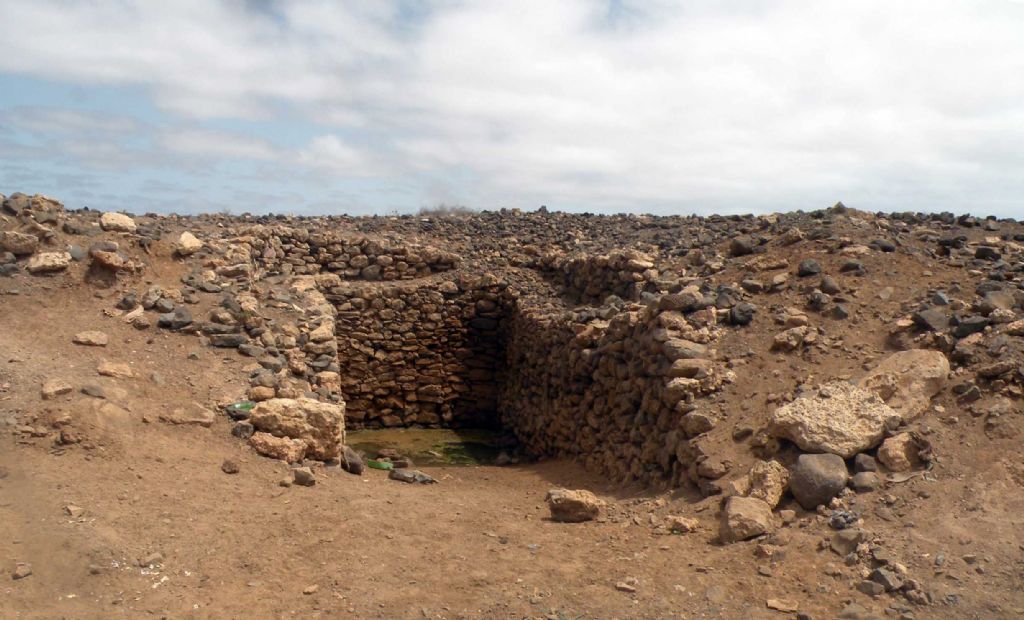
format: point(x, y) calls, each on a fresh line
point(326, 106)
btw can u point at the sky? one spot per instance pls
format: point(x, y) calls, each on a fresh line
point(328, 106)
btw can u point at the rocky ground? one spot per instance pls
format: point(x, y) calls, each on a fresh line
point(849, 419)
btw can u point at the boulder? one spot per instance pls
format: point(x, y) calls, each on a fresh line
point(767, 481)
point(907, 380)
point(48, 262)
point(114, 261)
point(816, 478)
point(838, 418)
point(283, 448)
point(319, 426)
point(745, 517)
point(18, 243)
point(573, 506)
point(188, 244)
point(117, 222)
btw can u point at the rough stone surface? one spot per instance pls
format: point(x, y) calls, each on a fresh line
point(18, 243)
point(768, 480)
point(120, 370)
point(817, 478)
point(192, 414)
point(303, 476)
point(54, 388)
point(573, 506)
point(838, 418)
point(187, 244)
point(745, 517)
point(48, 262)
point(908, 380)
point(682, 525)
point(117, 222)
point(91, 338)
point(320, 426)
point(900, 452)
point(282, 448)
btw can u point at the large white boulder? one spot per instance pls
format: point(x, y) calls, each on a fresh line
point(117, 222)
point(320, 426)
point(907, 380)
point(838, 418)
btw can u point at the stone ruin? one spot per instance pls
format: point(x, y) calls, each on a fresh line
point(579, 356)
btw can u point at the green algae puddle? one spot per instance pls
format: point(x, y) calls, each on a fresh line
point(430, 446)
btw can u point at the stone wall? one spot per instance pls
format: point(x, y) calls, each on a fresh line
point(423, 353)
point(591, 279)
point(620, 394)
point(611, 382)
point(286, 250)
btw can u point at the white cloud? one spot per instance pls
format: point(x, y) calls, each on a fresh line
point(216, 144)
point(745, 105)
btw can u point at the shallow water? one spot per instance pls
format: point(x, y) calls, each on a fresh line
point(431, 446)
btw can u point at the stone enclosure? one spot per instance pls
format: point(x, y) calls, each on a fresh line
point(580, 356)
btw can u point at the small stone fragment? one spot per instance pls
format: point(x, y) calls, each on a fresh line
point(91, 338)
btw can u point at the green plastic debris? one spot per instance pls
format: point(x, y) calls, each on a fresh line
point(379, 464)
point(245, 405)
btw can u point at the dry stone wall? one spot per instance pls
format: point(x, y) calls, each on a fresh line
point(286, 250)
point(424, 353)
point(592, 376)
point(621, 395)
point(591, 279)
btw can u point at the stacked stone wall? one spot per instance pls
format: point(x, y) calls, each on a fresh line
point(286, 250)
point(423, 353)
point(620, 395)
point(591, 279)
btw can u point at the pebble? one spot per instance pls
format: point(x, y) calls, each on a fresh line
point(21, 570)
point(303, 476)
point(229, 467)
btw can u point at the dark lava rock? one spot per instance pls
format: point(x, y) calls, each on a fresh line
point(987, 253)
point(970, 325)
point(128, 302)
point(883, 245)
point(864, 462)
point(829, 285)
point(931, 319)
point(817, 478)
point(741, 246)
point(808, 267)
point(164, 305)
point(243, 430)
point(177, 319)
point(742, 313)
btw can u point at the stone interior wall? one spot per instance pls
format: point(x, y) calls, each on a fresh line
point(591, 279)
point(425, 353)
point(620, 395)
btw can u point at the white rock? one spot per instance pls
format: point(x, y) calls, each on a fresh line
point(117, 222)
point(839, 418)
point(48, 262)
point(907, 380)
point(188, 244)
